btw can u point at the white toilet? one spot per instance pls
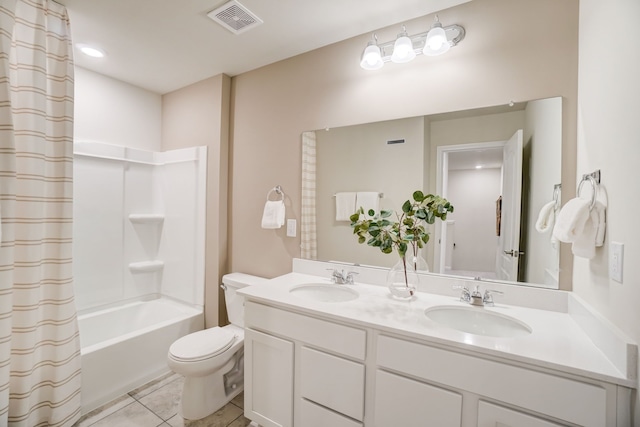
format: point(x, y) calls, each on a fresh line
point(211, 360)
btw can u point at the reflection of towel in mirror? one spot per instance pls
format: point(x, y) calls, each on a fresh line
point(546, 218)
point(345, 205)
point(368, 200)
point(592, 235)
point(273, 214)
point(571, 220)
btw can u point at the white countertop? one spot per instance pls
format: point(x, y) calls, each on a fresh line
point(557, 342)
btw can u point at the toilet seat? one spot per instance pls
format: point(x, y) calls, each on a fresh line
point(202, 345)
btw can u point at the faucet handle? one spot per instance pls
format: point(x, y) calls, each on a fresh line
point(349, 278)
point(465, 296)
point(487, 299)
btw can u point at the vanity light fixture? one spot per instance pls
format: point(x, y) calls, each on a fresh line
point(436, 41)
point(403, 48)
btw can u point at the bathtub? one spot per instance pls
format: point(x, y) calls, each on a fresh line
point(126, 346)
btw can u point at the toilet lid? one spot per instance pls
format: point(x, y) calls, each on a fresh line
point(202, 344)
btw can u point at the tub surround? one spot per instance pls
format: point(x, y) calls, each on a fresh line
point(568, 343)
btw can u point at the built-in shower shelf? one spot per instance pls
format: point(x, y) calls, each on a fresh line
point(146, 266)
point(146, 218)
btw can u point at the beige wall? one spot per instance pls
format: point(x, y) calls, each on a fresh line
point(608, 130)
point(357, 158)
point(198, 115)
point(504, 57)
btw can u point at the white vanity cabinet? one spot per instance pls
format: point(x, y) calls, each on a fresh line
point(313, 373)
point(308, 371)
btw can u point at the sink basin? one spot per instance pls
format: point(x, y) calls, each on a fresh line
point(478, 321)
point(323, 292)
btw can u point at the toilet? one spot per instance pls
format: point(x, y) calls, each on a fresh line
point(211, 360)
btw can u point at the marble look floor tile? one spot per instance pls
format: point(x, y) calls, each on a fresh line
point(241, 421)
point(239, 400)
point(154, 385)
point(132, 415)
point(103, 411)
point(221, 418)
point(164, 401)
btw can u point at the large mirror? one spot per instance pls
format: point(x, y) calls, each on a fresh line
point(500, 167)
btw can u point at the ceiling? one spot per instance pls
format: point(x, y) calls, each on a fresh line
point(163, 45)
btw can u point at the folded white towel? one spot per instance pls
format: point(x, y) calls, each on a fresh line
point(571, 220)
point(273, 215)
point(546, 217)
point(602, 223)
point(368, 200)
point(345, 205)
point(584, 245)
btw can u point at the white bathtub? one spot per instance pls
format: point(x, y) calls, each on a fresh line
point(126, 346)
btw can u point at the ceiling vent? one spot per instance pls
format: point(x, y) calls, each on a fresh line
point(235, 17)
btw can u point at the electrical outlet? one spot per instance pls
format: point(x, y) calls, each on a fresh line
point(616, 258)
point(291, 228)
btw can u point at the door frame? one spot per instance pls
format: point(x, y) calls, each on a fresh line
point(442, 175)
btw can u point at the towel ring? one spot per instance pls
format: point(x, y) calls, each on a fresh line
point(556, 196)
point(594, 184)
point(278, 190)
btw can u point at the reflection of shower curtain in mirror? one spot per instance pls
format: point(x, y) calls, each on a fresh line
point(39, 344)
point(309, 242)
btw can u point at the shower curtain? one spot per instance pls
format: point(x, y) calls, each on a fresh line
point(308, 237)
point(39, 344)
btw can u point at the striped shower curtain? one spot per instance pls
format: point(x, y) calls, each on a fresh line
point(39, 344)
point(308, 236)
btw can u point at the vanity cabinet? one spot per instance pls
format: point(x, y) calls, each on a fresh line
point(307, 371)
point(328, 388)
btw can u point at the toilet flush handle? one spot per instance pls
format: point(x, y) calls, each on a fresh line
point(224, 287)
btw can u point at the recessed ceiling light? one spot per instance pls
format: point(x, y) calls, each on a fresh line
point(91, 51)
point(478, 166)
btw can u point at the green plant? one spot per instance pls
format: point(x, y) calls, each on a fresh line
point(408, 231)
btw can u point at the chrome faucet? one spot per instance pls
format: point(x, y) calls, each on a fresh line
point(476, 297)
point(341, 277)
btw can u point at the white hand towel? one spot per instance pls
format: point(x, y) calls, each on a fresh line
point(584, 245)
point(273, 215)
point(571, 220)
point(601, 210)
point(546, 218)
point(345, 205)
point(368, 200)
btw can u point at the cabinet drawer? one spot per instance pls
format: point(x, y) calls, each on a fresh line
point(341, 339)
point(558, 397)
point(401, 401)
point(333, 382)
point(312, 415)
point(490, 415)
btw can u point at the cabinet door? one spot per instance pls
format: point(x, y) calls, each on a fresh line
point(268, 379)
point(490, 415)
point(404, 402)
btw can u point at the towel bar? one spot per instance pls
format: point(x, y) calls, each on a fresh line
point(381, 195)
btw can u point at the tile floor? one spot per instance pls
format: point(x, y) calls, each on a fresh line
point(156, 405)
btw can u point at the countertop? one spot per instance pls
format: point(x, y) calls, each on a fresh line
point(557, 342)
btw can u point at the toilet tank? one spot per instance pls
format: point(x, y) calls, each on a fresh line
point(234, 302)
